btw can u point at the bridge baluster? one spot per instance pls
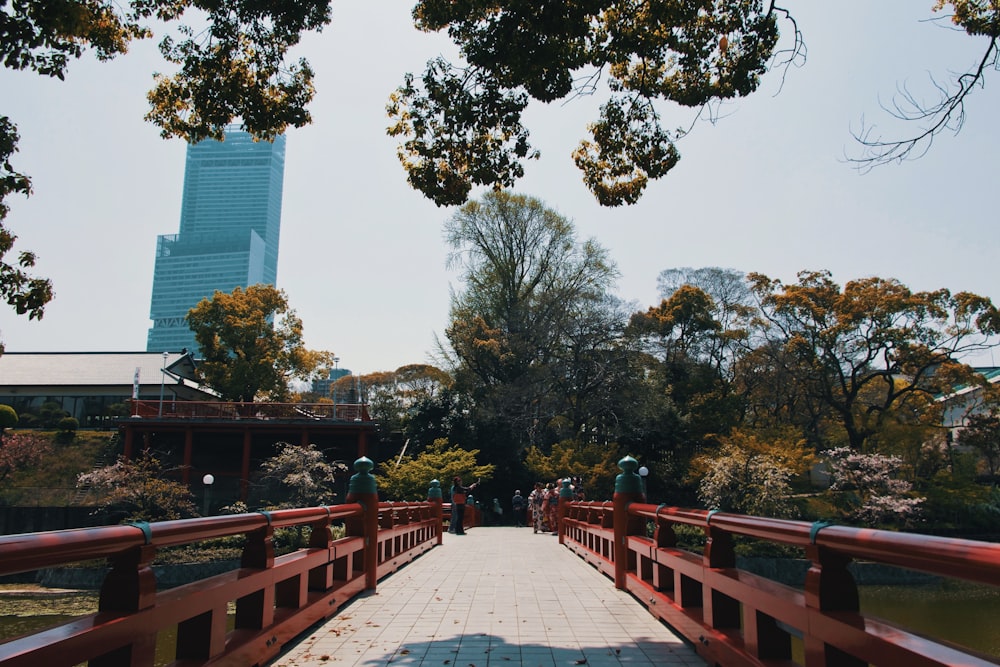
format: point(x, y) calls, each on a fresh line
point(829, 586)
point(130, 586)
point(256, 610)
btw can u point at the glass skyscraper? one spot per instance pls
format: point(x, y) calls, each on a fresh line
point(230, 221)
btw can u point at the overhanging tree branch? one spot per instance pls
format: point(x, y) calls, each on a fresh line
point(947, 114)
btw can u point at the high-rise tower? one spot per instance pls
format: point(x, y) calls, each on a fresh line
point(230, 221)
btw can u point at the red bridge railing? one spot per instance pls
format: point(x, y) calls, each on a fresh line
point(736, 618)
point(275, 597)
point(174, 409)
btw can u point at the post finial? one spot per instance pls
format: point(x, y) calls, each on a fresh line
point(628, 481)
point(363, 481)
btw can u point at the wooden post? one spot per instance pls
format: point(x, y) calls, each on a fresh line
point(628, 489)
point(364, 490)
point(434, 495)
point(130, 586)
point(829, 586)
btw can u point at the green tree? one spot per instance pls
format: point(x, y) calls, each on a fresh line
point(51, 413)
point(301, 476)
point(409, 478)
point(678, 347)
point(746, 483)
point(596, 464)
point(732, 307)
point(27, 295)
point(138, 490)
point(982, 432)
point(391, 396)
point(245, 356)
point(528, 285)
point(750, 472)
point(848, 349)
point(460, 124)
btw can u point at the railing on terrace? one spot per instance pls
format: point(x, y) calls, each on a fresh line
point(172, 409)
point(275, 597)
point(735, 618)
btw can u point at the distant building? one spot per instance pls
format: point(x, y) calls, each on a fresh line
point(95, 387)
point(964, 402)
point(322, 387)
point(229, 230)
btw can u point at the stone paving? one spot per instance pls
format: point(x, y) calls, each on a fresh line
point(494, 596)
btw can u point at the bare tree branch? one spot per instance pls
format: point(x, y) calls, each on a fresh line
point(947, 114)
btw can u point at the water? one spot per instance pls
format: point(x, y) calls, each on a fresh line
point(33, 611)
point(962, 613)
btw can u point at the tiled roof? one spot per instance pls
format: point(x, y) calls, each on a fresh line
point(85, 368)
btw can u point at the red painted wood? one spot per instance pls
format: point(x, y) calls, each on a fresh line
point(276, 597)
point(735, 618)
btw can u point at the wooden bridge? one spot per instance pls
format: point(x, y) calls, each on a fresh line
point(611, 588)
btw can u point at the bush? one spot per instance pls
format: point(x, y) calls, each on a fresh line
point(28, 420)
point(67, 427)
point(8, 417)
point(70, 424)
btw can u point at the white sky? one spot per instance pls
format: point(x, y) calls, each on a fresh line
point(362, 258)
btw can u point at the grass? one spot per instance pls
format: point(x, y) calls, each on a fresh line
point(53, 481)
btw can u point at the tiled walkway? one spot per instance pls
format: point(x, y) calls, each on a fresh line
point(495, 596)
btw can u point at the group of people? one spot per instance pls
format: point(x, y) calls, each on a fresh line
point(542, 504)
point(540, 507)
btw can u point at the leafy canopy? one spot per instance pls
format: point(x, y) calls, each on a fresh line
point(462, 125)
point(245, 356)
point(849, 347)
point(595, 464)
point(409, 478)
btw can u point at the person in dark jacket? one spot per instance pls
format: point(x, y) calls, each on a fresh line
point(459, 495)
point(517, 504)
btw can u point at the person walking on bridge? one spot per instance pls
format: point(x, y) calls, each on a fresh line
point(459, 495)
point(517, 504)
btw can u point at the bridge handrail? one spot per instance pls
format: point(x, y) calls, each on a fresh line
point(34, 551)
point(176, 409)
point(276, 597)
point(736, 618)
point(966, 559)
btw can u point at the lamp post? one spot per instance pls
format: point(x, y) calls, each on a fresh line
point(163, 379)
point(643, 474)
point(336, 376)
point(207, 480)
